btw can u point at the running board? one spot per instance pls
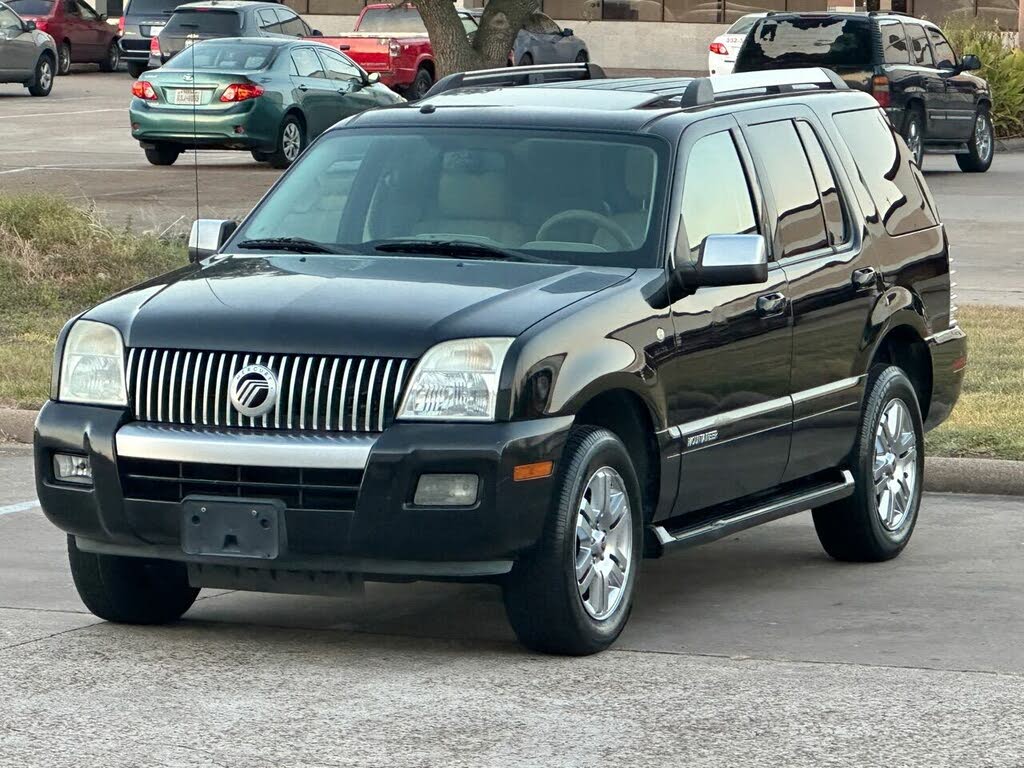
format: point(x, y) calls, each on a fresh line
point(948, 149)
point(790, 504)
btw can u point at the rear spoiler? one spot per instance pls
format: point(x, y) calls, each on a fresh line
point(506, 77)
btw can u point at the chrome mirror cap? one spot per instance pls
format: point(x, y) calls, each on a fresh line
point(207, 236)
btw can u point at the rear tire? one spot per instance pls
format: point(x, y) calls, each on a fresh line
point(291, 140)
point(981, 147)
point(593, 536)
point(112, 59)
point(131, 590)
point(162, 154)
point(913, 134)
point(527, 60)
point(136, 69)
point(424, 82)
point(259, 157)
point(887, 463)
point(64, 58)
point(42, 80)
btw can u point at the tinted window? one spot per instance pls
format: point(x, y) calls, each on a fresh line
point(32, 7)
point(338, 67)
point(894, 42)
point(151, 6)
point(716, 195)
point(807, 42)
point(87, 12)
point(71, 9)
point(306, 63)
point(944, 56)
point(801, 226)
point(268, 21)
point(392, 20)
point(214, 54)
point(468, 23)
point(828, 190)
point(895, 184)
point(292, 24)
point(225, 23)
point(920, 52)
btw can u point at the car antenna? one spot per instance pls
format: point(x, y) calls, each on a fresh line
point(195, 132)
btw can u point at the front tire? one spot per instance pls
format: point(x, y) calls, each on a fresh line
point(291, 140)
point(876, 522)
point(162, 154)
point(573, 593)
point(42, 80)
point(913, 134)
point(981, 147)
point(112, 59)
point(136, 69)
point(131, 590)
point(64, 58)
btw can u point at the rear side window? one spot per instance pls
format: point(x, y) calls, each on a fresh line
point(801, 225)
point(306, 63)
point(828, 190)
point(31, 7)
point(806, 42)
point(716, 195)
point(268, 21)
point(920, 52)
point(292, 24)
point(894, 183)
point(204, 23)
point(894, 42)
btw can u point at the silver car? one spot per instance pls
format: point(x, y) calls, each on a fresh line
point(27, 56)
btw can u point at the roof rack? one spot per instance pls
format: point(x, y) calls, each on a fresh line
point(509, 76)
point(705, 90)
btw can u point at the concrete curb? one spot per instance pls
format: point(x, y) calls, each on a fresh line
point(991, 476)
point(1010, 145)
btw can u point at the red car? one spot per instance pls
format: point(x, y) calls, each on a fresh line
point(82, 35)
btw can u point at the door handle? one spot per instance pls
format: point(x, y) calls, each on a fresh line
point(771, 304)
point(863, 278)
point(303, 87)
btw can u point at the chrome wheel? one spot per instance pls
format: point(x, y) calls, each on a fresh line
point(113, 56)
point(914, 141)
point(895, 466)
point(604, 543)
point(983, 137)
point(45, 75)
point(291, 141)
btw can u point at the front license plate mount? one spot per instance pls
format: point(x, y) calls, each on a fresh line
point(229, 527)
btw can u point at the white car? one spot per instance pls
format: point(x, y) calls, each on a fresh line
point(723, 49)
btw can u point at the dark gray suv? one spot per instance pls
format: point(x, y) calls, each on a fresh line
point(27, 56)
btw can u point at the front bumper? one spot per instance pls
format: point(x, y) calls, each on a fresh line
point(383, 532)
point(949, 363)
point(247, 125)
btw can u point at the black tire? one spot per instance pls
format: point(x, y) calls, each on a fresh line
point(582, 57)
point(852, 529)
point(64, 58)
point(131, 590)
point(527, 60)
point(259, 157)
point(981, 148)
point(913, 134)
point(136, 69)
point(162, 154)
point(42, 78)
point(112, 59)
point(423, 82)
point(542, 596)
point(286, 154)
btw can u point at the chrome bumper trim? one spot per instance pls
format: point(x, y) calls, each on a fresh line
point(956, 332)
point(249, 448)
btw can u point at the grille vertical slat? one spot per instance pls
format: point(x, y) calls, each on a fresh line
point(291, 389)
point(172, 386)
point(355, 396)
point(305, 391)
point(341, 397)
point(160, 387)
point(330, 393)
point(369, 395)
point(195, 384)
point(217, 390)
point(316, 391)
point(384, 396)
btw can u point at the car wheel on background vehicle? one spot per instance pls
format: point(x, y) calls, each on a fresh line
point(131, 590)
point(291, 140)
point(913, 134)
point(526, 61)
point(162, 154)
point(135, 68)
point(573, 592)
point(582, 57)
point(423, 83)
point(260, 157)
point(64, 58)
point(42, 80)
point(981, 147)
point(112, 59)
point(876, 522)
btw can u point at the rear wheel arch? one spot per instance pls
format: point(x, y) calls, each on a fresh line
point(903, 346)
point(427, 64)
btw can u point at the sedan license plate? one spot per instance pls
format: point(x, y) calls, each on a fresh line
point(227, 527)
point(189, 96)
point(152, 31)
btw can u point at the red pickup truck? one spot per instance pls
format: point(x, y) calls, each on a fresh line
point(392, 40)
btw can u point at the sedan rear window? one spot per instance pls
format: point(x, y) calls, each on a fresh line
point(203, 22)
point(806, 42)
point(217, 55)
point(150, 7)
point(31, 7)
point(400, 20)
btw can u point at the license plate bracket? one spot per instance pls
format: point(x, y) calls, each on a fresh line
point(227, 527)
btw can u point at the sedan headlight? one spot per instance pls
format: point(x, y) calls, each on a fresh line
point(456, 380)
point(92, 368)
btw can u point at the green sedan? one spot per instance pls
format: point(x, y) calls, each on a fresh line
point(270, 97)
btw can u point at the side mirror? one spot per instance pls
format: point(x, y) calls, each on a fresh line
point(969, 63)
point(731, 260)
point(316, 33)
point(30, 26)
point(207, 236)
point(567, 32)
point(373, 78)
point(103, 17)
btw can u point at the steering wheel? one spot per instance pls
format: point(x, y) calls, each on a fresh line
point(600, 221)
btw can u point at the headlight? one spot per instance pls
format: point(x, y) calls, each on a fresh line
point(92, 369)
point(456, 380)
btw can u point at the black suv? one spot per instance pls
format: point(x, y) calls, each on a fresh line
point(905, 63)
point(426, 355)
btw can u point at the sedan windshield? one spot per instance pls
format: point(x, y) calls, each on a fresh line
point(563, 197)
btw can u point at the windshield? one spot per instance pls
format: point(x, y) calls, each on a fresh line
point(563, 197)
point(31, 7)
point(402, 20)
point(742, 26)
point(204, 22)
point(149, 7)
point(807, 42)
point(218, 55)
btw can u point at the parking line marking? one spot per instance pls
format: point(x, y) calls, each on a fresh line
point(62, 114)
point(70, 168)
point(23, 506)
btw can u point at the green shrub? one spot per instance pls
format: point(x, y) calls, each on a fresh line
point(1001, 66)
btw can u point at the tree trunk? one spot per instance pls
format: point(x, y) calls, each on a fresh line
point(492, 43)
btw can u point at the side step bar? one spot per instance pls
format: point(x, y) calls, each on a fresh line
point(740, 521)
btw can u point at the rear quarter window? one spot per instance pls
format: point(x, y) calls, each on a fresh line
point(893, 181)
point(832, 42)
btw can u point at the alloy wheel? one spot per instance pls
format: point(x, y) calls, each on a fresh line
point(45, 75)
point(895, 465)
point(291, 141)
point(914, 142)
point(983, 137)
point(65, 58)
point(604, 543)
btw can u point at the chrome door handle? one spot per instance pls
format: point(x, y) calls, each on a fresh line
point(771, 304)
point(863, 278)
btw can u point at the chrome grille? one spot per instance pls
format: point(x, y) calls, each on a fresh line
point(333, 394)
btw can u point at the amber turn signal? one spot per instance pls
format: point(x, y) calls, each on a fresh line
point(533, 471)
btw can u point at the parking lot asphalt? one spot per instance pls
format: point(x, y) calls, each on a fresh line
point(755, 651)
point(76, 142)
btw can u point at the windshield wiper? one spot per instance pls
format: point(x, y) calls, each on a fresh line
point(456, 248)
point(291, 244)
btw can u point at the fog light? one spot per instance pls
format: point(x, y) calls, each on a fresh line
point(68, 468)
point(446, 490)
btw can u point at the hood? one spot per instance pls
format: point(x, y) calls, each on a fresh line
point(345, 305)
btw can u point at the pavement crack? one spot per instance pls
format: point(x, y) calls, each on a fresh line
point(43, 610)
point(47, 637)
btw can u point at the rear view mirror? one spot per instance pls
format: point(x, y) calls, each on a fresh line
point(732, 260)
point(207, 236)
point(969, 63)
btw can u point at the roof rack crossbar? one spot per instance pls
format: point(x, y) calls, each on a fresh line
point(512, 76)
point(704, 90)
